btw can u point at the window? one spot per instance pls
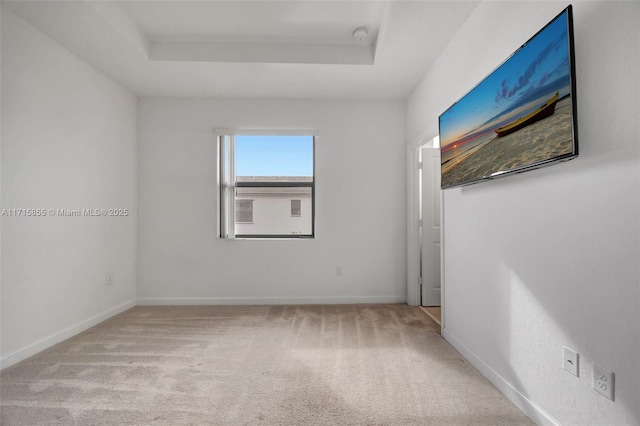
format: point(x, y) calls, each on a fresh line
point(295, 208)
point(244, 211)
point(266, 184)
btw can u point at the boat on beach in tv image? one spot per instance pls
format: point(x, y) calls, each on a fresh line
point(544, 111)
point(517, 118)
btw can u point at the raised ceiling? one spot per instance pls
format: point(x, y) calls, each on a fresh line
point(254, 49)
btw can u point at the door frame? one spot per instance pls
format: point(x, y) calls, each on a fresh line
point(413, 230)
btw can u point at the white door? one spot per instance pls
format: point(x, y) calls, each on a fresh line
point(430, 208)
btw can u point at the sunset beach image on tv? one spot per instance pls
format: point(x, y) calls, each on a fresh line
point(520, 117)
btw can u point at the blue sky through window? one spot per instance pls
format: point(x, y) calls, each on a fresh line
point(274, 155)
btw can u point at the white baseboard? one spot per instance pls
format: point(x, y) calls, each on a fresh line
point(58, 337)
point(164, 301)
point(532, 410)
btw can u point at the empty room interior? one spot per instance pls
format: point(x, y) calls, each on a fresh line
point(215, 212)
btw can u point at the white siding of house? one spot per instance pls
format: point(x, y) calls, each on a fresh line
point(272, 215)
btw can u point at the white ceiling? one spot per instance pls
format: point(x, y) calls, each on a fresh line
point(254, 49)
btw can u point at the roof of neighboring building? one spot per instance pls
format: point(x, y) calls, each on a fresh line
point(304, 191)
point(266, 190)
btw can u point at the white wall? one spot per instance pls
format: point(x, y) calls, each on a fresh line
point(1, 204)
point(360, 196)
point(550, 257)
point(68, 142)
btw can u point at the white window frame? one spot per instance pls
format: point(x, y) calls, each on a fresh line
point(227, 184)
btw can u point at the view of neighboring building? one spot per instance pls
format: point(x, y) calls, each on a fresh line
point(274, 210)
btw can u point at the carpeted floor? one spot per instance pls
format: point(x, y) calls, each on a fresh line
point(255, 365)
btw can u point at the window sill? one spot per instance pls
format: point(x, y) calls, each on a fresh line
point(271, 238)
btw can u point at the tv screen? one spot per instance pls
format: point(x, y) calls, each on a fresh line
point(520, 117)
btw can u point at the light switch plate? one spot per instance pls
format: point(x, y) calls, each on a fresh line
point(570, 361)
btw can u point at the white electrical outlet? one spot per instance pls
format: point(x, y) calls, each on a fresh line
point(603, 382)
point(570, 361)
point(109, 279)
point(339, 270)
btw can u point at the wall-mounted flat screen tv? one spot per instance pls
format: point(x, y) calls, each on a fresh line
point(521, 117)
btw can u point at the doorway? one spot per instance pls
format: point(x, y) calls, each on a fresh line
point(429, 229)
point(425, 229)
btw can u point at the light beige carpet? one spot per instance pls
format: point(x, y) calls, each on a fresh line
point(255, 365)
